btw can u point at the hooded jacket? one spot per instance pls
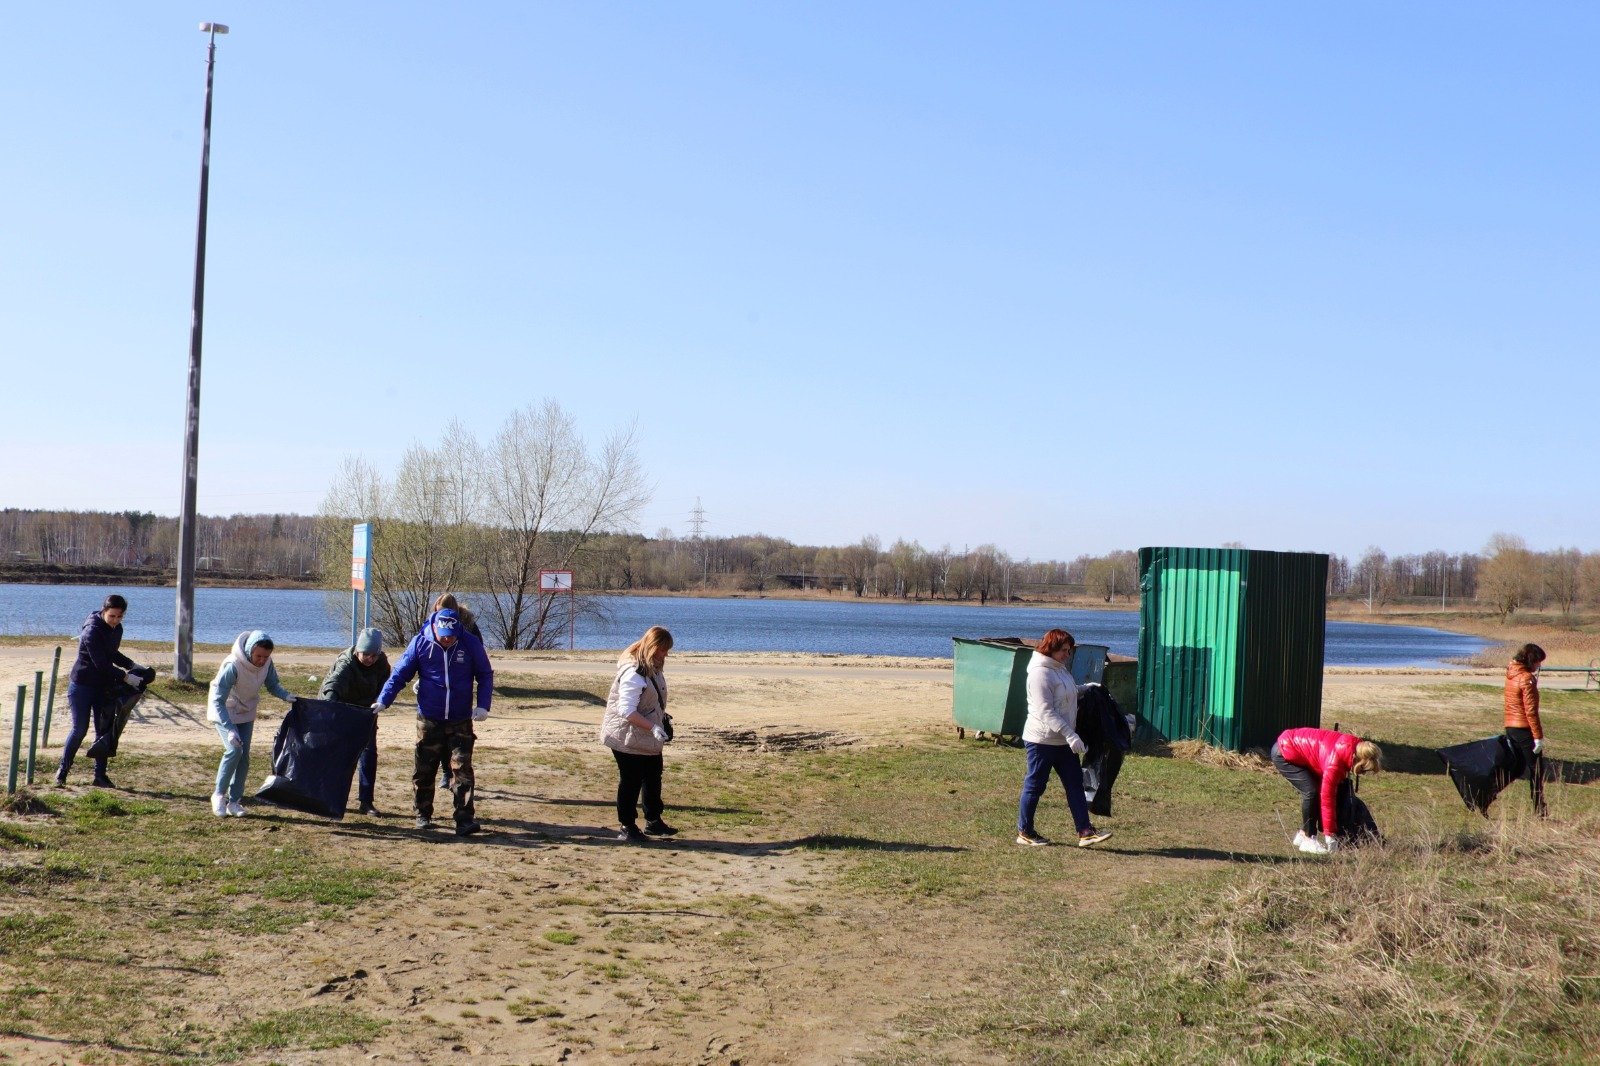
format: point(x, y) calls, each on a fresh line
point(1522, 699)
point(444, 675)
point(1327, 754)
point(236, 690)
point(1052, 703)
point(350, 682)
point(633, 692)
point(100, 663)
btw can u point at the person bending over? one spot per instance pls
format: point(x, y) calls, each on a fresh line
point(1317, 762)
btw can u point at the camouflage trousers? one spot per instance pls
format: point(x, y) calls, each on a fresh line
point(449, 743)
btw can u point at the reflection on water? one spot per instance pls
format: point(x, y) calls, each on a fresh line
point(312, 618)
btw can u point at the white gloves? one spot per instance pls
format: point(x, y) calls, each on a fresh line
point(659, 733)
point(376, 707)
point(479, 713)
point(1538, 745)
point(234, 740)
point(1077, 745)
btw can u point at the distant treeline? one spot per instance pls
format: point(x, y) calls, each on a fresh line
point(266, 545)
point(1505, 577)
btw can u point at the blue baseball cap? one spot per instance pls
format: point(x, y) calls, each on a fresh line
point(445, 623)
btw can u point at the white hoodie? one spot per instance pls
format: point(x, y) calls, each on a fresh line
point(236, 690)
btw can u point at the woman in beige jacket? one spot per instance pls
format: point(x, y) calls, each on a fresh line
point(636, 727)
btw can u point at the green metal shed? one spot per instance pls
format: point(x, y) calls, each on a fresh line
point(1231, 643)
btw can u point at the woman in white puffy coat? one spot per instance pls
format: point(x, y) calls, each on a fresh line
point(634, 727)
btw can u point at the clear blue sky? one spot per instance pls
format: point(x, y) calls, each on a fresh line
point(1064, 277)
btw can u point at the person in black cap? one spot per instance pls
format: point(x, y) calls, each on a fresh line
point(357, 678)
point(448, 663)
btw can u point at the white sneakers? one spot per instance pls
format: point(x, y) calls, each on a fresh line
point(221, 806)
point(1325, 845)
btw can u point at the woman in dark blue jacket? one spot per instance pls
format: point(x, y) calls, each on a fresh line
point(96, 675)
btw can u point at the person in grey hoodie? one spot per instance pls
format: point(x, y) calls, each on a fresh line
point(357, 678)
point(1050, 736)
point(231, 708)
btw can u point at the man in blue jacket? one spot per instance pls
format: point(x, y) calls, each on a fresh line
point(446, 660)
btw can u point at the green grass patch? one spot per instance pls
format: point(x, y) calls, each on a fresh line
point(561, 936)
point(534, 1009)
point(315, 1028)
point(13, 839)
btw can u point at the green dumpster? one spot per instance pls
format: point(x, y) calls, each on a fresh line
point(1121, 679)
point(990, 692)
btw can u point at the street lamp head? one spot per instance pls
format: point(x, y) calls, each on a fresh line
point(213, 27)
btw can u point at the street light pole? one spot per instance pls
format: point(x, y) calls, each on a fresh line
point(183, 643)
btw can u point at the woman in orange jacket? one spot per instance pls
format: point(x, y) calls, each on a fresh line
point(1523, 727)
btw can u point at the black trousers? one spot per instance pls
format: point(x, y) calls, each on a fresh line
point(1309, 785)
point(1522, 740)
point(636, 774)
point(438, 742)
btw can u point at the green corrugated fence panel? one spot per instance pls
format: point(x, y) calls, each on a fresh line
point(1285, 638)
point(1230, 643)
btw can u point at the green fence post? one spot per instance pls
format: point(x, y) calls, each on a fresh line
point(16, 738)
point(33, 723)
point(50, 705)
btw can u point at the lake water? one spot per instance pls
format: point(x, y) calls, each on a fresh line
point(310, 618)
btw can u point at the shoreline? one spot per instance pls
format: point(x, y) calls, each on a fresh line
point(1571, 640)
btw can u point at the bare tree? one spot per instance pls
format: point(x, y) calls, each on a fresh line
point(423, 538)
point(1509, 574)
point(1589, 579)
point(1562, 577)
point(545, 498)
point(1371, 578)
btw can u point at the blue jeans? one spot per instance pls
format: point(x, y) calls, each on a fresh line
point(367, 768)
point(235, 763)
point(1042, 758)
point(80, 701)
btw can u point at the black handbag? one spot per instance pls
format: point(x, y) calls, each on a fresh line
point(666, 719)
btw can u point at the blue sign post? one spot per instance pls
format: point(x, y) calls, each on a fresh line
point(360, 575)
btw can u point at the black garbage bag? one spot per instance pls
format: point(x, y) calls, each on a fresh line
point(1105, 735)
point(1481, 769)
point(314, 756)
point(1356, 824)
point(111, 713)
